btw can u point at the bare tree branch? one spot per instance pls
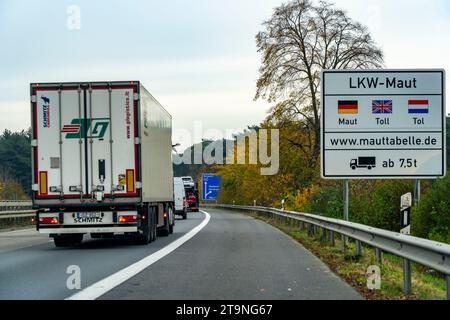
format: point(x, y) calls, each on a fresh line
point(299, 40)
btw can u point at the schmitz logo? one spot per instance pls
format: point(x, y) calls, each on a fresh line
point(81, 128)
point(46, 112)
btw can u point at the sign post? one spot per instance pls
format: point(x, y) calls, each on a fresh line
point(416, 191)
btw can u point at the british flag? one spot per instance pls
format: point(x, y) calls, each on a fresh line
point(382, 106)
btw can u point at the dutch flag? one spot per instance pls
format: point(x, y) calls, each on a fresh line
point(418, 106)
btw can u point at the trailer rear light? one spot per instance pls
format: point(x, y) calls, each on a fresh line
point(43, 187)
point(48, 220)
point(125, 219)
point(130, 181)
point(165, 214)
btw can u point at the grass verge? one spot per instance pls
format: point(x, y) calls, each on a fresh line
point(426, 284)
point(15, 225)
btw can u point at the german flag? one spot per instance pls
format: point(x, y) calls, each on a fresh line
point(348, 107)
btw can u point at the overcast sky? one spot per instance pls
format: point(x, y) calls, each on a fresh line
point(197, 57)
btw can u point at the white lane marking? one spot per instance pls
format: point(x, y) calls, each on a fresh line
point(103, 286)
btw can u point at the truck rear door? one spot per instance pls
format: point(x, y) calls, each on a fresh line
point(85, 140)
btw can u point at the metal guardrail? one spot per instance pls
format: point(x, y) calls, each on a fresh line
point(17, 214)
point(15, 211)
point(13, 205)
point(432, 254)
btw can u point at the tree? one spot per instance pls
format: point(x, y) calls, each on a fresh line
point(430, 218)
point(15, 158)
point(298, 41)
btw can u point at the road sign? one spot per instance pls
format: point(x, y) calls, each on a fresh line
point(210, 186)
point(383, 124)
point(406, 200)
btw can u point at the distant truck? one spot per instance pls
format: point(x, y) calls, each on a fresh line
point(101, 161)
point(188, 181)
point(363, 162)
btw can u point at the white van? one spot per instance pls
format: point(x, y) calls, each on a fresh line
point(179, 197)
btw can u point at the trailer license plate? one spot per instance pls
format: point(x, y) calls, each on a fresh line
point(88, 217)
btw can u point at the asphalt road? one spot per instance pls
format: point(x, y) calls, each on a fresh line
point(233, 257)
point(236, 257)
point(38, 271)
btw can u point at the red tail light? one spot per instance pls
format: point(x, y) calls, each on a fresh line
point(125, 219)
point(48, 220)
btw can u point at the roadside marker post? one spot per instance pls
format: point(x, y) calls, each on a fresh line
point(405, 228)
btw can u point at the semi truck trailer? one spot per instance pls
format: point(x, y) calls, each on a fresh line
point(101, 161)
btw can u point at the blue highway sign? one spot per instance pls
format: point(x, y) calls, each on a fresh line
point(210, 186)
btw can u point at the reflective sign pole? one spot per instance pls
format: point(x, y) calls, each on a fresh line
point(405, 226)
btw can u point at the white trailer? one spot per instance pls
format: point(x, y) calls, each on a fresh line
point(101, 161)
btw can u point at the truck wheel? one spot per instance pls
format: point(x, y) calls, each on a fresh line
point(171, 220)
point(77, 239)
point(62, 241)
point(146, 237)
point(164, 231)
point(150, 220)
point(154, 226)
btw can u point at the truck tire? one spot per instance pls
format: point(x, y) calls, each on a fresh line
point(184, 214)
point(146, 236)
point(63, 241)
point(171, 220)
point(154, 226)
point(164, 231)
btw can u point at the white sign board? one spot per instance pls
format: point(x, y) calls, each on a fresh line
point(383, 124)
point(406, 200)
